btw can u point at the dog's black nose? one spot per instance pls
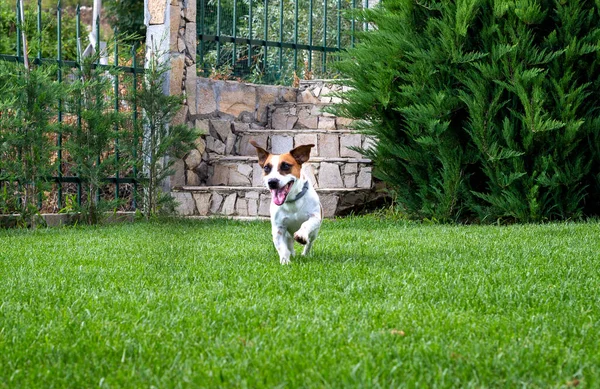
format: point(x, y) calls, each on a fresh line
point(273, 183)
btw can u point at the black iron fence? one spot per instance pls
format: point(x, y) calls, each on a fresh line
point(125, 77)
point(271, 41)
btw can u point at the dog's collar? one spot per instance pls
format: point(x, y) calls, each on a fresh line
point(302, 193)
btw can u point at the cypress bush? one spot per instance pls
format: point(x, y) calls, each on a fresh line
point(481, 110)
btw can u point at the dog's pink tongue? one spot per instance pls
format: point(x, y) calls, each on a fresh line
point(278, 196)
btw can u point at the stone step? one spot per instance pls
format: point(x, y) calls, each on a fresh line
point(255, 201)
point(323, 172)
point(328, 143)
point(287, 116)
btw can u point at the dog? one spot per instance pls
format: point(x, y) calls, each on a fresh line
point(296, 211)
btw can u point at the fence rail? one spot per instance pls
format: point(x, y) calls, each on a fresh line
point(63, 173)
point(305, 36)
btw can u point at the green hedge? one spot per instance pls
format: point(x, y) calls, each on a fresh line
point(482, 110)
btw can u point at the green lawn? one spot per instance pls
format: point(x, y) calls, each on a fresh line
point(379, 304)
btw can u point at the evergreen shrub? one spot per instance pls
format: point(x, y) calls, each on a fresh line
point(481, 110)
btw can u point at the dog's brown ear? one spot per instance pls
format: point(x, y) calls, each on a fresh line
point(302, 153)
point(262, 153)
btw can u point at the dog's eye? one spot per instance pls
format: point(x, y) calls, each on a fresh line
point(267, 169)
point(285, 166)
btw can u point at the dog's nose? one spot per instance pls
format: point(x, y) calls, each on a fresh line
point(273, 183)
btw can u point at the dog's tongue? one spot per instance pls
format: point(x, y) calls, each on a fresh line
point(279, 195)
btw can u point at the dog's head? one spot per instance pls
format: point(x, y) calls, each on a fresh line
point(282, 171)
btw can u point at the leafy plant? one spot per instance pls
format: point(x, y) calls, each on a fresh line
point(27, 102)
point(161, 143)
point(49, 35)
point(90, 141)
point(481, 109)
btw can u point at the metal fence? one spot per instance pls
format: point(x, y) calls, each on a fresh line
point(123, 184)
point(271, 41)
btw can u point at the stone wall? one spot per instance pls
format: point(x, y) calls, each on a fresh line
point(223, 110)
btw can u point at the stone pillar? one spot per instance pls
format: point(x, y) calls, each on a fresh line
point(171, 31)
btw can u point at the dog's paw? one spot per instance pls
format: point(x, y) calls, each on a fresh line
point(284, 260)
point(301, 237)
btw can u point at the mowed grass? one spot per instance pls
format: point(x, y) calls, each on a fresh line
point(379, 304)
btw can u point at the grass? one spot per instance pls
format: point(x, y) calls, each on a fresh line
point(379, 304)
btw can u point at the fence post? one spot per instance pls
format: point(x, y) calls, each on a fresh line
point(171, 31)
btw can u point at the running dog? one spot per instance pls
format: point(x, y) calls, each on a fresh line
point(296, 211)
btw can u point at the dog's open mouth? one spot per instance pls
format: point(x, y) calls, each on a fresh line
point(279, 195)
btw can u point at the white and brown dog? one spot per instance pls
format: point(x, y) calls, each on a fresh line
point(296, 212)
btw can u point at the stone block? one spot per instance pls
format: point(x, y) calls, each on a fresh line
point(281, 144)
point(240, 127)
point(200, 144)
point(350, 168)
point(241, 207)
point(189, 11)
point(178, 177)
point(246, 149)
point(190, 89)
point(306, 120)
point(329, 176)
point(205, 96)
point(181, 116)
point(186, 206)
point(191, 178)
point(202, 203)
point(350, 181)
point(220, 129)
point(350, 140)
point(176, 74)
point(307, 97)
point(364, 179)
point(157, 9)
point(343, 122)
point(264, 208)
point(215, 145)
point(237, 98)
point(202, 125)
point(252, 195)
point(257, 175)
point(329, 145)
point(245, 169)
point(237, 179)
point(329, 202)
point(326, 123)
point(229, 205)
point(283, 121)
point(288, 94)
point(190, 38)
point(309, 172)
point(220, 175)
point(230, 145)
point(180, 44)
point(307, 139)
point(193, 159)
point(174, 17)
point(252, 207)
point(265, 96)
point(215, 203)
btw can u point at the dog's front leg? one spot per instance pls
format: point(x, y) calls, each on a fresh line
point(308, 232)
point(282, 244)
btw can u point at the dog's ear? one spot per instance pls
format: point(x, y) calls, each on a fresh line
point(302, 153)
point(262, 153)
